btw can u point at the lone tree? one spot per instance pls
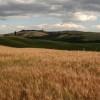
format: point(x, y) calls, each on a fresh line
point(15, 33)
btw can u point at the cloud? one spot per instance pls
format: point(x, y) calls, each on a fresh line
point(48, 27)
point(64, 26)
point(98, 26)
point(84, 17)
point(54, 27)
point(50, 8)
point(20, 26)
point(25, 1)
point(3, 26)
point(66, 11)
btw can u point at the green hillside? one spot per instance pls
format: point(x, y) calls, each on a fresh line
point(22, 42)
point(72, 36)
point(65, 36)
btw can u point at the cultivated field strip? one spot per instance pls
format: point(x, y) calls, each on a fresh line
point(44, 74)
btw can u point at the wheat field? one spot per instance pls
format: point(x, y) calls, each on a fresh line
point(43, 74)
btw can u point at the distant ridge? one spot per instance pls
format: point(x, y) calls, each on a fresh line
point(61, 40)
point(28, 33)
point(66, 36)
point(31, 31)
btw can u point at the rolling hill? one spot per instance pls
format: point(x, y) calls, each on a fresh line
point(63, 40)
point(22, 42)
point(66, 36)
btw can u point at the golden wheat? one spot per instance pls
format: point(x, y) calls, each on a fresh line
point(43, 74)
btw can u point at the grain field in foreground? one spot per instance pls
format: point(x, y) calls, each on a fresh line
point(42, 74)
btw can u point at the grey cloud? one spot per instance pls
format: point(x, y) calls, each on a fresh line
point(52, 8)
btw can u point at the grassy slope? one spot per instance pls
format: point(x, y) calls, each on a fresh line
point(74, 37)
point(41, 74)
point(40, 43)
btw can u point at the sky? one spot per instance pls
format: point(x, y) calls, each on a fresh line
point(50, 15)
